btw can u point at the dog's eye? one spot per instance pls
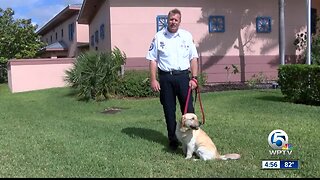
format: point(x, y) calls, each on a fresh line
point(193, 118)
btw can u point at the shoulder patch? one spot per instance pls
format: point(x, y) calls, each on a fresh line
point(151, 46)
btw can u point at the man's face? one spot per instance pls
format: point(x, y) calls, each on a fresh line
point(174, 22)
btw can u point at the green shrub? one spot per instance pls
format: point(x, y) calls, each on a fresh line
point(257, 79)
point(96, 74)
point(3, 73)
point(202, 79)
point(135, 83)
point(300, 83)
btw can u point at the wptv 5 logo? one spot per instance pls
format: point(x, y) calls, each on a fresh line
point(278, 140)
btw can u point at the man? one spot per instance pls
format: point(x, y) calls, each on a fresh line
point(173, 55)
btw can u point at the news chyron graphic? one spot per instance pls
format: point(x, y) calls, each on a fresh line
point(279, 142)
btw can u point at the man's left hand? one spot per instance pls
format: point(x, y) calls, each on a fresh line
point(193, 83)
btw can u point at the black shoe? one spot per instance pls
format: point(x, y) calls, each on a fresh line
point(173, 145)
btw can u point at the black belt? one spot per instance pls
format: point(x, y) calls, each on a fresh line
point(174, 72)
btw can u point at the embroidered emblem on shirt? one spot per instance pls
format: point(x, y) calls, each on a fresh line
point(151, 46)
point(162, 45)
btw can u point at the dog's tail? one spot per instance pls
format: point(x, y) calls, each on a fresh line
point(230, 156)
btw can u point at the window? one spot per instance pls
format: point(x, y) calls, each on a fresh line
point(71, 31)
point(61, 33)
point(263, 24)
point(216, 24)
point(92, 40)
point(102, 31)
point(162, 22)
point(96, 35)
point(56, 36)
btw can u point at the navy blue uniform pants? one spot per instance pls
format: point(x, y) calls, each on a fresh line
point(174, 87)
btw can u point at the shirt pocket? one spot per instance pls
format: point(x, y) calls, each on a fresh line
point(185, 51)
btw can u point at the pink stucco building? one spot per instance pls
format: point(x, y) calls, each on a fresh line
point(225, 32)
point(65, 38)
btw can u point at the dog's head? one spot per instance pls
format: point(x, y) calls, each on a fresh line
point(189, 121)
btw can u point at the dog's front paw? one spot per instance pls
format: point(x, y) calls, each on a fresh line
point(188, 157)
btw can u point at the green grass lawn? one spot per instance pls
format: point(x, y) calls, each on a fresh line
point(49, 133)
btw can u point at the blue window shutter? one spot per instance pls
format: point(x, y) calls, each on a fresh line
point(216, 24)
point(161, 22)
point(102, 31)
point(263, 24)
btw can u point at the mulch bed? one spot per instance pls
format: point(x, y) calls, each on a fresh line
point(234, 86)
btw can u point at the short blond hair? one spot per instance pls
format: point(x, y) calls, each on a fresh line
point(174, 11)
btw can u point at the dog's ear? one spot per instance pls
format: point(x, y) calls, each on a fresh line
point(183, 123)
point(183, 120)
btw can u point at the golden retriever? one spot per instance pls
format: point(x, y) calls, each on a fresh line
point(195, 140)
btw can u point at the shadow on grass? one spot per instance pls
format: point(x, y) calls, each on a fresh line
point(273, 96)
point(150, 135)
point(71, 93)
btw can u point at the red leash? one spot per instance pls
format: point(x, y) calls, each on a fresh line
point(188, 97)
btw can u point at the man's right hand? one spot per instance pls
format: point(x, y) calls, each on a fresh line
point(155, 86)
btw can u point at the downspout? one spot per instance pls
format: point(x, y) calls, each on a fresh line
point(281, 32)
point(308, 32)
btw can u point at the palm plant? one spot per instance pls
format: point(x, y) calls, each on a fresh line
point(95, 74)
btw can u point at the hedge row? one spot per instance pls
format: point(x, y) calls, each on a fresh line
point(300, 83)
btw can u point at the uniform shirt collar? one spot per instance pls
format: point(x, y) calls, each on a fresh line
point(167, 33)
